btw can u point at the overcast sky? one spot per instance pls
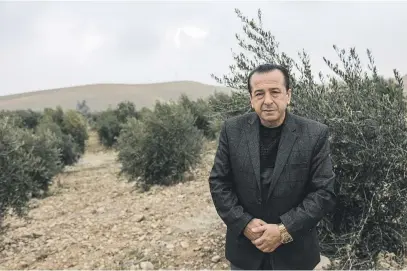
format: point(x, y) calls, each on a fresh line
point(56, 44)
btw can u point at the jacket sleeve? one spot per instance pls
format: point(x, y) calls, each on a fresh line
point(222, 189)
point(321, 199)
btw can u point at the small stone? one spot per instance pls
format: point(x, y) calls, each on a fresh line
point(146, 266)
point(184, 244)
point(139, 218)
point(101, 210)
point(385, 266)
point(135, 267)
point(215, 258)
point(147, 251)
point(170, 246)
point(323, 264)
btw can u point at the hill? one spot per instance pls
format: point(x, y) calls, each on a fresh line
point(101, 96)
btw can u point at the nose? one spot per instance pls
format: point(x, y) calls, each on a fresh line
point(268, 99)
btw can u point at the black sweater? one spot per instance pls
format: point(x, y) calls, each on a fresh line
point(269, 140)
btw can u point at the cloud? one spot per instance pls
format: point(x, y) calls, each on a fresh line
point(64, 36)
point(56, 44)
point(191, 32)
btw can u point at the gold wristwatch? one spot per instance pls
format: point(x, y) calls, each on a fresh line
point(285, 236)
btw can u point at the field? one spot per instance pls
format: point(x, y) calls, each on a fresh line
point(94, 219)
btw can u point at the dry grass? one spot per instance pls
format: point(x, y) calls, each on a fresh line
point(101, 96)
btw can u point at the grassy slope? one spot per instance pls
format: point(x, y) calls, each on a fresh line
point(101, 96)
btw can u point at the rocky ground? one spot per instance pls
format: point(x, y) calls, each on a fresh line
point(93, 219)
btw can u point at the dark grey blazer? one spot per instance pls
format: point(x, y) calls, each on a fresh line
point(301, 191)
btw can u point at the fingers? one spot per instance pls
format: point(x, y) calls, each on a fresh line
point(259, 241)
point(265, 245)
point(256, 223)
point(253, 236)
point(266, 248)
point(262, 222)
point(259, 228)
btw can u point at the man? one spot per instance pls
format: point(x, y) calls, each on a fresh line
point(272, 180)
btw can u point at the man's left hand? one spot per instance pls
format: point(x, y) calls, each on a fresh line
point(270, 240)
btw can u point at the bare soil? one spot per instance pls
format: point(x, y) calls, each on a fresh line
point(93, 219)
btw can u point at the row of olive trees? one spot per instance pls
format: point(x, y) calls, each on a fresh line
point(158, 145)
point(34, 148)
point(366, 114)
point(109, 123)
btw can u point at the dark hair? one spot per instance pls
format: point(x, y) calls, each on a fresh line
point(268, 68)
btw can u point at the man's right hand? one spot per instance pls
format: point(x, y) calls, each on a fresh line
point(256, 222)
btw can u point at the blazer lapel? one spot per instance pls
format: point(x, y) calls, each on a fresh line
point(252, 139)
point(287, 141)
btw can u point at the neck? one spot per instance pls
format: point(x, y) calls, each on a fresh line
point(273, 124)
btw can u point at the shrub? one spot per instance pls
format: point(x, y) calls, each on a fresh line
point(12, 118)
point(15, 182)
point(225, 106)
point(27, 161)
point(29, 118)
point(108, 128)
point(70, 151)
point(110, 122)
point(144, 112)
point(201, 112)
point(23, 118)
point(162, 147)
point(57, 115)
point(125, 110)
point(73, 131)
point(215, 126)
point(74, 124)
point(44, 146)
point(367, 118)
point(93, 119)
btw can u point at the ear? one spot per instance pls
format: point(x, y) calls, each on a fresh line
point(289, 96)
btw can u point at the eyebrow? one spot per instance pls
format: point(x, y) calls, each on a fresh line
point(262, 89)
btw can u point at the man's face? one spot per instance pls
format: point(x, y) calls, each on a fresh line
point(269, 97)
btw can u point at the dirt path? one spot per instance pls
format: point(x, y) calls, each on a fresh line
point(94, 220)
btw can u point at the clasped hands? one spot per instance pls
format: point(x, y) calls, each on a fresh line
point(266, 237)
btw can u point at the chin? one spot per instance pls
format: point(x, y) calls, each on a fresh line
point(271, 116)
